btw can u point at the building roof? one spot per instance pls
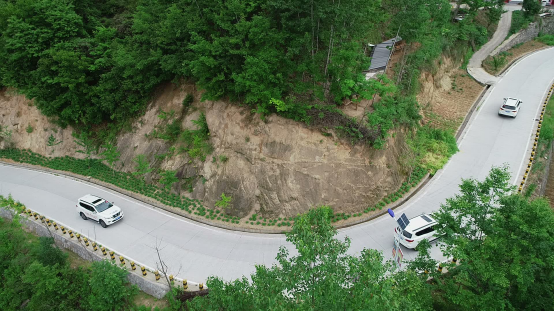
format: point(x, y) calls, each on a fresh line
point(381, 54)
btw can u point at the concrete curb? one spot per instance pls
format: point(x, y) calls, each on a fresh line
point(464, 124)
point(85, 248)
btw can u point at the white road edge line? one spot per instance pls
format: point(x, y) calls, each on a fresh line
point(525, 158)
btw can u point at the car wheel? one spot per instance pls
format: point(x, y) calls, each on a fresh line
point(83, 216)
point(103, 224)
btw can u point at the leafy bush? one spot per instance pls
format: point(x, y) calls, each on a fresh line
point(109, 288)
point(187, 101)
point(224, 202)
point(196, 142)
point(37, 276)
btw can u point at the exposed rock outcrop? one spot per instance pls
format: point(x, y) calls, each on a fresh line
point(278, 167)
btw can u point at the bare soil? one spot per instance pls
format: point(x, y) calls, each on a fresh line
point(447, 98)
point(512, 55)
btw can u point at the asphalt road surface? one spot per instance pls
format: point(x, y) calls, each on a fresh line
point(200, 251)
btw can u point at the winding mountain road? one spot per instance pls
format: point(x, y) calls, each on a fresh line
point(200, 250)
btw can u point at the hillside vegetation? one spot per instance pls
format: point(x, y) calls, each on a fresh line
point(88, 62)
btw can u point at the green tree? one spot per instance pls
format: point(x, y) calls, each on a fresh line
point(110, 155)
point(48, 254)
point(321, 277)
point(87, 147)
point(142, 167)
point(52, 142)
point(531, 8)
point(168, 178)
point(505, 244)
point(109, 289)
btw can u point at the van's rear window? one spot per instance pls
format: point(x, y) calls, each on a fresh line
point(407, 234)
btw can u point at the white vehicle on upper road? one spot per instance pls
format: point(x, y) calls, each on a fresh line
point(510, 107)
point(98, 209)
point(420, 228)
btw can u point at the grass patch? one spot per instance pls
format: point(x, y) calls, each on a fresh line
point(546, 39)
point(433, 147)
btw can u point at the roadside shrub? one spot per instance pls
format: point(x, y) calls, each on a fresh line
point(519, 21)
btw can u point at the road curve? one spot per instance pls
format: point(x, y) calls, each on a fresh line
point(197, 251)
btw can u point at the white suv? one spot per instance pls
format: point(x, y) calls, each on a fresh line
point(510, 107)
point(98, 209)
point(419, 228)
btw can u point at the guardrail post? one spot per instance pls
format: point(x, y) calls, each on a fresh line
point(200, 286)
point(133, 267)
point(122, 260)
point(185, 285)
point(171, 278)
point(157, 274)
point(94, 246)
point(86, 241)
point(103, 251)
point(112, 255)
point(440, 267)
point(71, 233)
point(143, 269)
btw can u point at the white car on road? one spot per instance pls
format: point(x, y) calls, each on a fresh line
point(419, 228)
point(99, 210)
point(510, 107)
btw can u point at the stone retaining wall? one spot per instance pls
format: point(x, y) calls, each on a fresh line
point(544, 25)
point(147, 283)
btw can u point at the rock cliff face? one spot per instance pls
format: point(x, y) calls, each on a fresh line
point(17, 113)
point(277, 168)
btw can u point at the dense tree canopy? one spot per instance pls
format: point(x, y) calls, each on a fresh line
point(86, 62)
point(506, 244)
point(504, 241)
point(321, 277)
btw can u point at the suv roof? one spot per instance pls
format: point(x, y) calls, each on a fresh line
point(90, 198)
point(419, 222)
